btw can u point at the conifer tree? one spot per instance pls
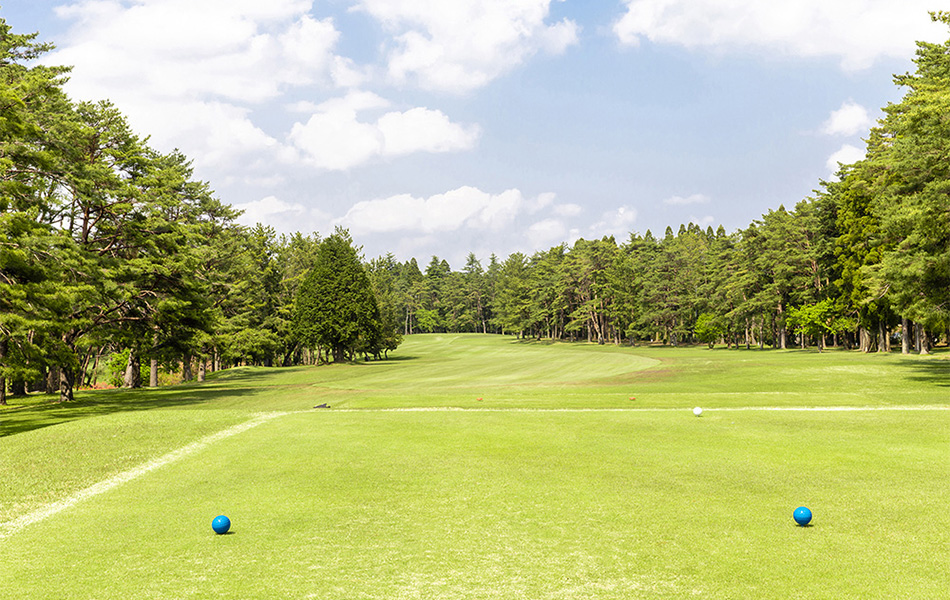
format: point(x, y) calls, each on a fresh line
point(335, 307)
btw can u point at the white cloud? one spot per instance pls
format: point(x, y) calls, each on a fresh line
point(260, 210)
point(568, 210)
point(617, 223)
point(283, 216)
point(215, 134)
point(190, 74)
point(423, 130)
point(693, 199)
point(846, 155)
point(857, 32)
point(231, 51)
point(465, 207)
point(703, 221)
point(335, 138)
point(541, 201)
point(461, 45)
point(850, 119)
point(547, 233)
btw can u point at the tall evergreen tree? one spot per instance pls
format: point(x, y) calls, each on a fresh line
point(335, 307)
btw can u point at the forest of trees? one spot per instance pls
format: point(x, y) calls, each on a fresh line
point(110, 250)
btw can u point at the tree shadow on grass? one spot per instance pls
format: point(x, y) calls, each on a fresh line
point(373, 363)
point(933, 372)
point(93, 403)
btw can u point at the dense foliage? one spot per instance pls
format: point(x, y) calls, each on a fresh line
point(111, 252)
point(335, 307)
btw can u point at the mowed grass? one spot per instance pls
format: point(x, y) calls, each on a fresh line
point(495, 499)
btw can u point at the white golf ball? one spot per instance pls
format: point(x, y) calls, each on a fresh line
point(697, 411)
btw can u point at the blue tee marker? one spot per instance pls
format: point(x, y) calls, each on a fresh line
point(221, 524)
point(802, 515)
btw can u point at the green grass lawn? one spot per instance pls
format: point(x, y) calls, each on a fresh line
point(490, 498)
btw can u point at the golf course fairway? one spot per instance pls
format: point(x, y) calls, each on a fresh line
point(479, 466)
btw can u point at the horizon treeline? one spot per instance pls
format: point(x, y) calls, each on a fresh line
point(113, 257)
point(864, 261)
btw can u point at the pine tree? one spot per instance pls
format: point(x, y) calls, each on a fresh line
point(335, 307)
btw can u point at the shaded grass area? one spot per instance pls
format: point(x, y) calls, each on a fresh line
point(520, 505)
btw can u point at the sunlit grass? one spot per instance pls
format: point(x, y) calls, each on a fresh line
point(496, 503)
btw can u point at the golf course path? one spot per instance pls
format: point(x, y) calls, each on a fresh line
point(11, 527)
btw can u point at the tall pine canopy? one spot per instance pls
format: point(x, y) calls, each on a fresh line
point(335, 308)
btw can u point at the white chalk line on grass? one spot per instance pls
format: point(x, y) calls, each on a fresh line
point(921, 407)
point(11, 527)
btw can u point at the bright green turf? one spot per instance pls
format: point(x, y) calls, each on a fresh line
point(497, 503)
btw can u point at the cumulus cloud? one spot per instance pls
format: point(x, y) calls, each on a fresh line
point(190, 73)
point(618, 223)
point(693, 199)
point(850, 119)
point(846, 155)
point(466, 207)
point(547, 233)
point(540, 202)
point(423, 130)
point(284, 216)
point(334, 138)
point(568, 210)
point(225, 50)
point(461, 45)
point(856, 33)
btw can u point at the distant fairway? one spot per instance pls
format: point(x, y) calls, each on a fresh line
point(554, 485)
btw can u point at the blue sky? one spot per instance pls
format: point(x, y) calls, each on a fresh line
point(443, 127)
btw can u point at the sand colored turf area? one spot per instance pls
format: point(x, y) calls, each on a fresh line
point(482, 467)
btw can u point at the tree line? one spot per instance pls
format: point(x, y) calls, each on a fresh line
point(111, 252)
point(109, 247)
point(862, 263)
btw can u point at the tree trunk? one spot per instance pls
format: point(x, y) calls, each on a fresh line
point(133, 370)
point(66, 380)
point(153, 373)
point(201, 369)
point(52, 379)
point(905, 336)
point(94, 375)
point(3, 379)
point(864, 339)
point(924, 340)
point(780, 325)
point(882, 337)
point(186, 367)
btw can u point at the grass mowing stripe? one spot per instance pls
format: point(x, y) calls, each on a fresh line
point(11, 527)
